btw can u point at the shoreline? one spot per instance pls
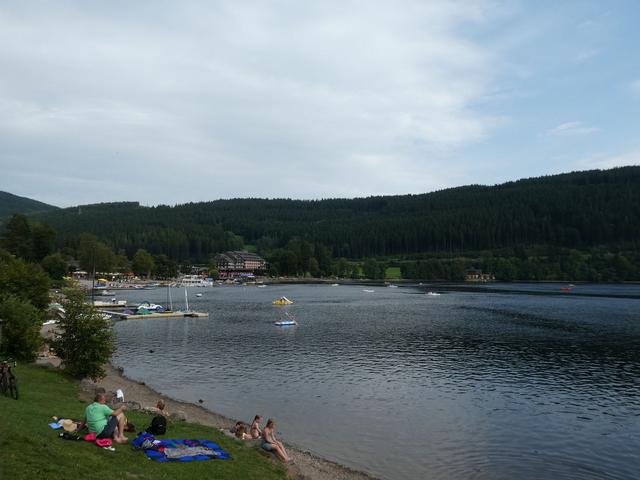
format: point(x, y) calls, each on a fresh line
point(308, 466)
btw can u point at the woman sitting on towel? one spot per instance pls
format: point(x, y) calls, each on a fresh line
point(255, 431)
point(272, 444)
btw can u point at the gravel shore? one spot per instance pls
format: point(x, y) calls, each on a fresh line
point(307, 466)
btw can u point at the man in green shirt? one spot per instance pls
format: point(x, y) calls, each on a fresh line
point(103, 421)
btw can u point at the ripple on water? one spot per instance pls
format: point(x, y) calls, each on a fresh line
point(466, 385)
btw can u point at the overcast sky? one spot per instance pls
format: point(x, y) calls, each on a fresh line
point(170, 102)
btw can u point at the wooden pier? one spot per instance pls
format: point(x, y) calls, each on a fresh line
point(135, 316)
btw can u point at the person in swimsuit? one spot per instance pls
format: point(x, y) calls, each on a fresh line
point(272, 444)
point(255, 431)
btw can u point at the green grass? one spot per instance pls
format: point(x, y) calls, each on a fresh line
point(31, 449)
point(250, 248)
point(393, 273)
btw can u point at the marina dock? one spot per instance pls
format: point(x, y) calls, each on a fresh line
point(135, 316)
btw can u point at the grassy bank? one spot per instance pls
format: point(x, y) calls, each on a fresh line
point(31, 449)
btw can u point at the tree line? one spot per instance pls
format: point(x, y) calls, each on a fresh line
point(584, 221)
point(576, 210)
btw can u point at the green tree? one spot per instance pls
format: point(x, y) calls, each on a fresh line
point(213, 268)
point(342, 267)
point(165, 267)
point(20, 330)
point(85, 341)
point(314, 267)
point(371, 269)
point(142, 263)
point(26, 281)
point(121, 263)
point(42, 241)
point(355, 271)
point(17, 237)
point(93, 253)
point(323, 255)
point(55, 265)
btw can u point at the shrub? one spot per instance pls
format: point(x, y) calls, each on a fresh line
point(85, 341)
point(20, 330)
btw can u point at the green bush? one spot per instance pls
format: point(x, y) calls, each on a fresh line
point(20, 330)
point(85, 341)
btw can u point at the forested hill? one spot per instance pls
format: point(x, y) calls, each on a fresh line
point(10, 204)
point(577, 210)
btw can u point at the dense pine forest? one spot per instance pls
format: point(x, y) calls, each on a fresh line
point(578, 225)
point(10, 204)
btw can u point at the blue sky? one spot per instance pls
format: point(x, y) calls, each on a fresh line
point(167, 102)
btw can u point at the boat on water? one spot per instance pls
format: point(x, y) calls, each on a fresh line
point(433, 294)
point(194, 281)
point(112, 303)
point(198, 294)
point(262, 285)
point(150, 307)
point(282, 301)
point(287, 321)
point(393, 286)
point(335, 284)
point(367, 290)
point(566, 289)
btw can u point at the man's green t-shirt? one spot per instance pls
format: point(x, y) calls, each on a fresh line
point(97, 415)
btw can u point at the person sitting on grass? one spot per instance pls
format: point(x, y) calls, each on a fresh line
point(271, 444)
point(104, 422)
point(159, 409)
point(241, 433)
point(255, 431)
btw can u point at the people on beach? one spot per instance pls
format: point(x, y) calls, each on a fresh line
point(271, 443)
point(255, 431)
point(241, 432)
point(105, 422)
point(159, 409)
point(235, 428)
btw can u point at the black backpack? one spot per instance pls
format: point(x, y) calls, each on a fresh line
point(158, 425)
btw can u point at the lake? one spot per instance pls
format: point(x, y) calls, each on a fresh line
point(496, 382)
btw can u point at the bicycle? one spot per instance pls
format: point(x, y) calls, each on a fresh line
point(8, 381)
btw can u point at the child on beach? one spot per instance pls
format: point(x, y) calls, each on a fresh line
point(159, 409)
point(241, 432)
point(255, 431)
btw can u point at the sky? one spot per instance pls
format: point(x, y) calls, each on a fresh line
point(171, 102)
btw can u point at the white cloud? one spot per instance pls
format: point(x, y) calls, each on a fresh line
point(569, 129)
point(202, 91)
point(632, 157)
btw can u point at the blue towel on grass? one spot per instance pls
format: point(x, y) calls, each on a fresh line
point(159, 456)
